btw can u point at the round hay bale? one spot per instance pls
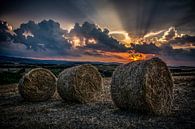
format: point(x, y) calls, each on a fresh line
point(143, 86)
point(37, 85)
point(81, 84)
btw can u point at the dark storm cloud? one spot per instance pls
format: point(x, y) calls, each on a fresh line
point(178, 54)
point(136, 16)
point(146, 48)
point(168, 51)
point(174, 46)
point(183, 40)
point(47, 37)
point(44, 35)
point(104, 41)
point(4, 32)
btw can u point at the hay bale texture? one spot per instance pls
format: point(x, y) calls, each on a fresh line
point(37, 85)
point(143, 86)
point(81, 84)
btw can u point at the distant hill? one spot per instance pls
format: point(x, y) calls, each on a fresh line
point(20, 60)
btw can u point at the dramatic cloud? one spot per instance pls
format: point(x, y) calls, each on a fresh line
point(5, 29)
point(47, 37)
point(102, 41)
point(88, 42)
point(177, 54)
point(146, 48)
point(184, 39)
point(169, 34)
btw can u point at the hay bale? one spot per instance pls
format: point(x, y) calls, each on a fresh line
point(81, 84)
point(143, 86)
point(37, 85)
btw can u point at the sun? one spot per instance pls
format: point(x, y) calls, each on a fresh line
point(135, 56)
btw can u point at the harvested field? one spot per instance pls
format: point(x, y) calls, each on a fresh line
point(54, 113)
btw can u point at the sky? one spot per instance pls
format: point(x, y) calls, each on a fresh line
point(99, 30)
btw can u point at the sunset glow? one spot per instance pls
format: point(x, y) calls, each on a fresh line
point(103, 30)
point(135, 56)
point(76, 42)
point(81, 41)
point(27, 33)
point(126, 41)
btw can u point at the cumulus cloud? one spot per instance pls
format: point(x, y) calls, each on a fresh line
point(47, 37)
point(170, 34)
point(101, 37)
point(180, 48)
point(177, 54)
point(5, 29)
point(41, 38)
point(183, 40)
point(170, 45)
point(146, 48)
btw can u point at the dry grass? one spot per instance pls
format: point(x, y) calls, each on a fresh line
point(54, 113)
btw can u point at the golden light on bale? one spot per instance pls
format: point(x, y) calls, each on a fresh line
point(143, 86)
point(37, 85)
point(81, 84)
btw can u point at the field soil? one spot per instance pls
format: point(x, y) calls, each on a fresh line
point(102, 114)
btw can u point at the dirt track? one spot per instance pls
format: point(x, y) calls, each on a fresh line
point(16, 113)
